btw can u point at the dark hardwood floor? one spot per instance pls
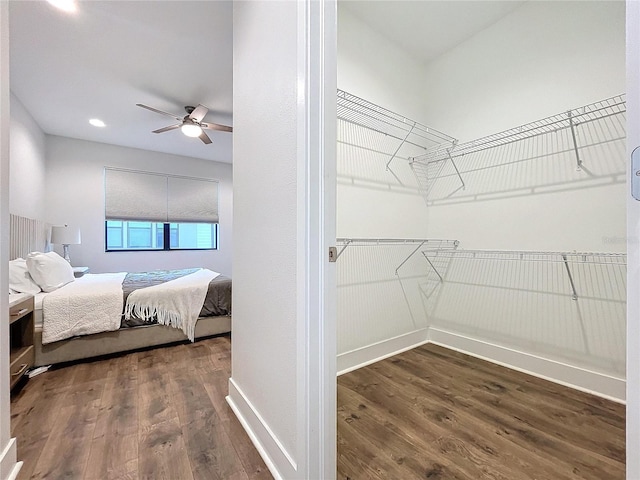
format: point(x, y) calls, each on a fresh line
point(432, 413)
point(429, 413)
point(155, 414)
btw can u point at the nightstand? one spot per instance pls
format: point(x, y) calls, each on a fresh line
point(21, 350)
point(80, 271)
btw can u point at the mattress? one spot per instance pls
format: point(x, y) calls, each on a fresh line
point(217, 302)
point(37, 309)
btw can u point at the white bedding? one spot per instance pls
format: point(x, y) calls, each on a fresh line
point(91, 304)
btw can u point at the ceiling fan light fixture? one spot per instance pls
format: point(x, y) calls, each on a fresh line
point(191, 130)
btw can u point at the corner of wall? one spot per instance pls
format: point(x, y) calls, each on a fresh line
point(275, 456)
point(595, 383)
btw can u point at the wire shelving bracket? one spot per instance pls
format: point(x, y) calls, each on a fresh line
point(417, 243)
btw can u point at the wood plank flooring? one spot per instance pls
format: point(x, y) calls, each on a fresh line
point(154, 414)
point(432, 413)
point(429, 413)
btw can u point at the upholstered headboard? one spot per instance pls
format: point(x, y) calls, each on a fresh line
point(27, 235)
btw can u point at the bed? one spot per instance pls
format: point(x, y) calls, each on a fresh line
point(213, 319)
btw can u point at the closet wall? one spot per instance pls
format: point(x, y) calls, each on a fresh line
point(541, 60)
point(372, 202)
point(560, 55)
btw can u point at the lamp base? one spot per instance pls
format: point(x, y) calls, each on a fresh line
point(65, 253)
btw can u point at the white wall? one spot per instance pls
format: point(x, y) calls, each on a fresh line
point(27, 176)
point(633, 232)
point(370, 67)
point(372, 203)
point(75, 196)
point(283, 366)
point(8, 466)
point(542, 59)
point(264, 364)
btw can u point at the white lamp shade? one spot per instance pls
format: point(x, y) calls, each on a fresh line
point(65, 235)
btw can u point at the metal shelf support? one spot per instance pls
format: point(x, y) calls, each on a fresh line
point(573, 286)
point(575, 142)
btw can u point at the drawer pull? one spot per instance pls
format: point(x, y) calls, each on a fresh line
point(20, 312)
point(23, 367)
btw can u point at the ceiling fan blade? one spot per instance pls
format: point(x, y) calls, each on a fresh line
point(203, 136)
point(159, 111)
point(216, 126)
point(198, 113)
point(166, 129)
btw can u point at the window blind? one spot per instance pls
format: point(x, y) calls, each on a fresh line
point(153, 197)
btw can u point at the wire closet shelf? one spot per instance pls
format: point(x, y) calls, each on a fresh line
point(571, 261)
point(362, 112)
point(435, 244)
point(576, 132)
point(406, 132)
point(616, 259)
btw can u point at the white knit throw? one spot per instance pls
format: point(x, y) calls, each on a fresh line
point(176, 303)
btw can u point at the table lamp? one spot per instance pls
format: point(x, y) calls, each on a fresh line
point(65, 236)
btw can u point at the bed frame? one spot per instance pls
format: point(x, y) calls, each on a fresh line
point(123, 340)
point(27, 235)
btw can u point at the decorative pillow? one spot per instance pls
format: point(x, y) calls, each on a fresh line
point(19, 278)
point(49, 270)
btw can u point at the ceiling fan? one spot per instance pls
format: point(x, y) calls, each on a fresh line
point(191, 124)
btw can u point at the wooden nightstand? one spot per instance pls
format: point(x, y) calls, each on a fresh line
point(22, 353)
point(80, 271)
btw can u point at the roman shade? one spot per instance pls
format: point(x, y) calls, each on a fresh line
point(153, 197)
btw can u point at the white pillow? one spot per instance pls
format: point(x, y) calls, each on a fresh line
point(19, 278)
point(49, 270)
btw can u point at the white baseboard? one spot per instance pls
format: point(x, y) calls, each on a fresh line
point(279, 462)
point(606, 386)
point(364, 356)
point(9, 467)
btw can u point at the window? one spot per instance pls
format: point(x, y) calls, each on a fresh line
point(122, 235)
point(152, 211)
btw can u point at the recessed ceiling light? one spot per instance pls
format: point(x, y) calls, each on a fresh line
point(96, 122)
point(65, 5)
